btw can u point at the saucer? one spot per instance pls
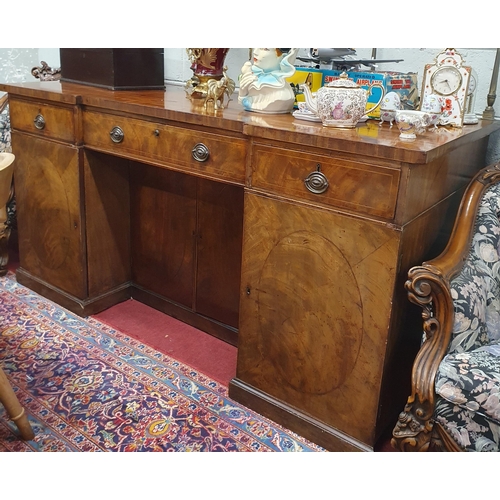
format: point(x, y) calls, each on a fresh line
point(306, 116)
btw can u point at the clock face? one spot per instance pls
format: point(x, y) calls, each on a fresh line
point(446, 81)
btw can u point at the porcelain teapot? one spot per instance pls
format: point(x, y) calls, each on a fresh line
point(341, 103)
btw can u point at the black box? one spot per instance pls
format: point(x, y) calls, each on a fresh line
point(115, 69)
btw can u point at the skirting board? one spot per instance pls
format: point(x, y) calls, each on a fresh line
point(80, 307)
point(329, 438)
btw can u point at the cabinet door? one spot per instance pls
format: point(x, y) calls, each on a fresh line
point(163, 230)
point(315, 310)
point(220, 228)
point(48, 198)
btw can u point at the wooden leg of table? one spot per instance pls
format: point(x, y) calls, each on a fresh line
point(13, 408)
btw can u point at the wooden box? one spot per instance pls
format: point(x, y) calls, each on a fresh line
point(115, 69)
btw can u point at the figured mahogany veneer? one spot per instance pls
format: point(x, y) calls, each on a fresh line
point(55, 122)
point(353, 185)
point(287, 238)
point(167, 145)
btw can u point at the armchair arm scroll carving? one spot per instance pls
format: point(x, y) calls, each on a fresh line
point(429, 289)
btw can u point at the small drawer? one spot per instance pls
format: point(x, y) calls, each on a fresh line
point(359, 187)
point(42, 119)
point(182, 149)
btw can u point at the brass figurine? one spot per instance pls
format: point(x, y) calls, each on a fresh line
point(216, 89)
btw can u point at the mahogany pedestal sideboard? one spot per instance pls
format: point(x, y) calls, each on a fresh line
point(287, 239)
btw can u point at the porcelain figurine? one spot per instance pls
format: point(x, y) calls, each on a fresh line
point(433, 104)
point(263, 85)
point(390, 104)
point(412, 123)
point(340, 103)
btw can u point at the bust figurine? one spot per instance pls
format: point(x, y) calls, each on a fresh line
point(263, 85)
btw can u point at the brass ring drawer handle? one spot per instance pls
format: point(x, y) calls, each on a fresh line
point(117, 134)
point(200, 152)
point(316, 182)
point(39, 122)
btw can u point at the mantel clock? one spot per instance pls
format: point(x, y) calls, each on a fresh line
point(448, 78)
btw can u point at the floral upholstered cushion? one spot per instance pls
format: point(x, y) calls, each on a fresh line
point(472, 380)
point(470, 430)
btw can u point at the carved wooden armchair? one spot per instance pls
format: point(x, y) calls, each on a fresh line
point(455, 399)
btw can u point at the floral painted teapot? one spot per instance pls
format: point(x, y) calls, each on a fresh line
point(341, 103)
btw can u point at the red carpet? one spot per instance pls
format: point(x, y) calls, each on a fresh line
point(209, 355)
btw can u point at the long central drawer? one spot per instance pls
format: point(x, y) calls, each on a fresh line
point(203, 153)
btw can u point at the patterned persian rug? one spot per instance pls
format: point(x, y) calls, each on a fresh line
point(88, 387)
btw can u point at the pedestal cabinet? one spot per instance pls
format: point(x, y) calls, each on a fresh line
point(49, 194)
point(289, 239)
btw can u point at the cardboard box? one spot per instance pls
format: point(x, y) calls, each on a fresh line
point(115, 69)
point(405, 84)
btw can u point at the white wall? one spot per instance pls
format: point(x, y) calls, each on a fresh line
point(16, 64)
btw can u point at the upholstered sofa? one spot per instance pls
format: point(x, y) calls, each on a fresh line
point(455, 399)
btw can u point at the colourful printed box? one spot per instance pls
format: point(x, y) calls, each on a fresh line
point(311, 76)
point(405, 84)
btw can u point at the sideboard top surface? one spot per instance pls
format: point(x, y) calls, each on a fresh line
point(172, 104)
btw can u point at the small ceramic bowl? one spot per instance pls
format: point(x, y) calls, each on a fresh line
point(412, 123)
point(387, 115)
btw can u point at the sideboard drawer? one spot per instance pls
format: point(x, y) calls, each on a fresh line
point(359, 187)
point(46, 120)
point(210, 154)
